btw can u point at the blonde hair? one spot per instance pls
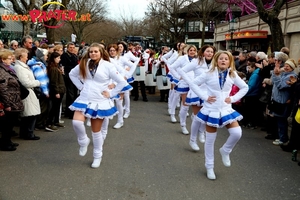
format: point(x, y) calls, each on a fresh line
point(189, 47)
point(4, 54)
point(58, 47)
point(181, 52)
point(20, 52)
point(214, 63)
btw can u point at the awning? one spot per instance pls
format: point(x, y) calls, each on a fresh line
point(246, 34)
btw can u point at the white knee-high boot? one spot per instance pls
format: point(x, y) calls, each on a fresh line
point(209, 149)
point(174, 101)
point(182, 114)
point(127, 101)
point(119, 104)
point(234, 136)
point(194, 130)
point(82, 137)
point(209, 154)
point(104, 128)
point(171, 92)
point(202, 132)
point(98, 146)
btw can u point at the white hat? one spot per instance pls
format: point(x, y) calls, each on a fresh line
point(44, 51)
point(290, 63)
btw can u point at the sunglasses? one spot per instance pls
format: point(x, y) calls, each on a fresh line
point(93, 51)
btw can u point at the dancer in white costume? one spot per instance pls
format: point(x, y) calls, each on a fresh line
point(182, 87)
point(217, 111)
point(169, 59)
point(92, 78)
point(126, 69)
point(127, 54)
point(199, 66)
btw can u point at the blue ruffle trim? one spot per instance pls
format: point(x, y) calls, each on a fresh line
point(172, 79)
point(126, 88)
point(91, 113)
point(219, 122)
point(175, 81)
point(116, 97)
point(193, 101)
point(130, 80)
point(182, 90)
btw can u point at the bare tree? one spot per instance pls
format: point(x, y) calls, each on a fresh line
point(270, 16)
point(52, 21)
point(108, 31)
point(90, 12)
point(167, 12)
point(131, 26)
point(23, 7)
point(205, 11)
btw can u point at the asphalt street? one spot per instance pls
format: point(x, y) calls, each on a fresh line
point(148, 158)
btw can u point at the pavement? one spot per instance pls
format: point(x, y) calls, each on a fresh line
point(148, 158)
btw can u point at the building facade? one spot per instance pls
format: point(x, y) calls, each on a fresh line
point(251, 33)
point(12, 30)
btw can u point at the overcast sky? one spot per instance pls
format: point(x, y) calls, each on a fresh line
point(135, 8)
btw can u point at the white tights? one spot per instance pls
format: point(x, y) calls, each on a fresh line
point(98, 144)
point(182, 114)
point(79, 129)
point(119, 104)
point(196, 127)
point(235, 134)
point(127, 101)
point(173, 103)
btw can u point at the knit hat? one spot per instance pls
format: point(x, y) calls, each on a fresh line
point(44, 51)
point(40, 53)
point(291, 63)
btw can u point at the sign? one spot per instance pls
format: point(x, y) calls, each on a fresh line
point(41, 16)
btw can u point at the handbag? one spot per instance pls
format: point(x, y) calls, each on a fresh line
point(38, 92)
point(1, 109)
point(297, 116)
point(24, 91)
point(277, 108)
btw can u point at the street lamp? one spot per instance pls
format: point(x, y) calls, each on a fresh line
point(161, 37)
point(168, 41)
point(231, 30)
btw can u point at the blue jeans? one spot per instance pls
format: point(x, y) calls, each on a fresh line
point(282, 129)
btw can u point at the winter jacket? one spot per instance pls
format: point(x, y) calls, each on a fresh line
point(40, 73)
point(254, 84)
point(57, 83)
point(281, 91)
point(26, 77)
point(69, 61)
point(10, 94)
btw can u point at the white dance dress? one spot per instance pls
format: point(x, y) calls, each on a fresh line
point(91, 102)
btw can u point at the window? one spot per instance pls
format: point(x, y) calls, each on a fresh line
point(193, 26)
point(210, 26)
